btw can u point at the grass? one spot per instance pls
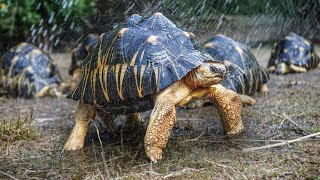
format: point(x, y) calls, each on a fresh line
point(17, 130)
point(196, 150)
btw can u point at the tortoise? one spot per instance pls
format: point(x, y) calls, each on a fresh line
point(78, 55)
point(151, 65)
point(244, 74)
point(28, 72)
point(293, 53)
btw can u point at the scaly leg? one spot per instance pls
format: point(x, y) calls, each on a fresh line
point(161, 123)
point(264, 89)
point(272, 69)
point(83, 116)
point(135, 118)
point(229, 106)
point(43, 92)
point(245, 99)
point(298, 69)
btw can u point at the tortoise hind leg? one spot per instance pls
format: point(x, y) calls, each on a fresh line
point(162, 119)
point(264, 89)
point(83, 116)
point(245, 99)
point(134, 118)
point(229, 107)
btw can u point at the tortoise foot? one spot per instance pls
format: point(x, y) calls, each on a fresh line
point(73, 144)
point(154, 153)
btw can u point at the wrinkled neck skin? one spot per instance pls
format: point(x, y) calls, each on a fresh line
point(180, 89)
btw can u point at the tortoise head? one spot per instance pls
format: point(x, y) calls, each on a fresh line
point(209, 73)
point(282, 68)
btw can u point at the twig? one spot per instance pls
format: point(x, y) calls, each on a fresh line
point(289, 119)
point(8, 175)
point(181, 172)
point(195, 139)
point(282, 143)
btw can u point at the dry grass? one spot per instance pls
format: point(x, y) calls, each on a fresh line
point(197, 148)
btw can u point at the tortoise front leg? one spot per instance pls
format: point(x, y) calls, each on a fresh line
point(298, 69)
point(161, 123)
point(229, 106)
point(83, 116)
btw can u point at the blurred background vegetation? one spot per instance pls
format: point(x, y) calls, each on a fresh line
point(59, 23)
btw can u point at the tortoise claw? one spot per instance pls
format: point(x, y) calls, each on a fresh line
point(154, 153)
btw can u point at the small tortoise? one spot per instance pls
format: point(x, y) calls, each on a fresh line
point(292, 54)
point(78, 55)
point(151, 65)
point(28, 72)
point(244, 74)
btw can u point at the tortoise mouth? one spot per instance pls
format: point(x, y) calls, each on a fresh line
point(216, 75)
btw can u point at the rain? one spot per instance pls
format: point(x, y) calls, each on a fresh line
point(93, 57)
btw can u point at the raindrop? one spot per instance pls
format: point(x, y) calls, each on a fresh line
point(32, 27)
point(41, 22)
point(51, 17)
point(51, 37)
point(54, 27)
point(45, 33)
point(72, 25)
point(33, 32)
point(67, 16)
point(70, 4)
point(38, 6)
point(56, 42)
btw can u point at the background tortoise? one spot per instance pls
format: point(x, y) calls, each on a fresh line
point(78, 55)
point(83, 49)
point(292, 54)
point(152, 64)
point(244, 74)
point(28, 72)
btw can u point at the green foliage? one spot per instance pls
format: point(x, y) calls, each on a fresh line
point(19, 17)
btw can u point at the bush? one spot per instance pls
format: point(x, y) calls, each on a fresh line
point(41, 22)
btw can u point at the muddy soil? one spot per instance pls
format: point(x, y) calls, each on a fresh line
point(196, 149)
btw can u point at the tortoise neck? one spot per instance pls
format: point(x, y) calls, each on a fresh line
point(190, 79)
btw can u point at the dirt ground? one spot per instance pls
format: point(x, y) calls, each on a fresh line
point(197, 148)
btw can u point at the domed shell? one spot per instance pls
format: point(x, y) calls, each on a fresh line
point(294, 49)
point(25, 70)
point(244, 74)
point(135, 62)
point(82, 51)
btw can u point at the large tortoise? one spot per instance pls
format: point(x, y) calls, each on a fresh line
point(78, 55)
point(293, 53)
point(151, 65)
point(28, 72)
point(244, 74)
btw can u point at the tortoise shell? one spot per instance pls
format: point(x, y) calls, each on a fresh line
point(296, 50)
point(83, 49)
point(244, 74)
point(81, 52)
point(132, 64)
point(25, 70)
